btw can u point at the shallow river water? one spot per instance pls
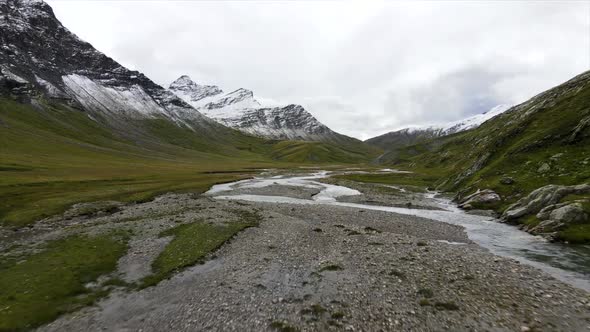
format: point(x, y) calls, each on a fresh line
point(567, 263)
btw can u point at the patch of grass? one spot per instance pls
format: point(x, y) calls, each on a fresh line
point(398, 274)
point(347, 151)
point(117, 282)
point(44, 285)
point(530, 220)
point(451, 306)
point(190, 245)
point(331, 267)
point(317, 309)
point(579, 233)
point(420, 180)
point(424, 303)
point(337, 315)
point(426, 292)
point(283, 326)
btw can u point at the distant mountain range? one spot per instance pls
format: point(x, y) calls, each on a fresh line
point(240, 110)
point(413, 135)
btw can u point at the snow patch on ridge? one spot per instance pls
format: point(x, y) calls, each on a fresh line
point(94, 95)
point(460, 125)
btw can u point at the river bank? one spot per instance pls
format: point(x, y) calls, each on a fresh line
point(335, 267)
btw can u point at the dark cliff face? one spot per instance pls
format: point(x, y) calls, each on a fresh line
point(39, 56)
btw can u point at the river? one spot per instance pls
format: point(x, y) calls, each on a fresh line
point(568, 263)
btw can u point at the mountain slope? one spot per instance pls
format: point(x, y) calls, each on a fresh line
point(42, 59)
point(545, 140)
point(410, 136)
point(240, 110)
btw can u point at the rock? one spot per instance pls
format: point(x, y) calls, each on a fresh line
point(546, 226)
point(571, 213)
point(485, 197)
point(507, 180)
point(544, 168)
point(540, 198)
point(581, 131)
point(545, 212)
point(557, 156)
point(93, 208)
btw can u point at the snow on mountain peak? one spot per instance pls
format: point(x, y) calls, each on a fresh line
point(238, 99)
point(473, 121)
point(193, 93)
point(240, 110)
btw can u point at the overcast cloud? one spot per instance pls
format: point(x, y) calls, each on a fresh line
point(362, 68)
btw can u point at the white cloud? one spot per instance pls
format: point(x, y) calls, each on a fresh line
point(362, 68)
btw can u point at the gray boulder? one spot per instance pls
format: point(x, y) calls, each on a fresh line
point(571, 213)
point(557, 216)
point(486, 196)
point(544, 168)
point(541, 198)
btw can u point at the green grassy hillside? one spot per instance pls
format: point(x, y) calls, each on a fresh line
point(52, 156)
point(306, 151)
point(545, 140)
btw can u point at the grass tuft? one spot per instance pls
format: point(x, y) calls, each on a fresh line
point(190, 245)
point(44, 285)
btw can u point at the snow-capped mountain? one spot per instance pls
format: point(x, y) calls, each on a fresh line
point(240, 110)
point(413, 135)
point(40, 57)
point(470, 122)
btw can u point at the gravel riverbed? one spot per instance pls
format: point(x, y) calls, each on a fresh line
point(320, 267)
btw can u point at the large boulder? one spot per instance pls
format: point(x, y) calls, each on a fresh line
point(541, 198)
point(479, 198)
point(558, 216)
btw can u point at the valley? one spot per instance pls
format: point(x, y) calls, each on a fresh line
point(343, 262)
point(126, 205)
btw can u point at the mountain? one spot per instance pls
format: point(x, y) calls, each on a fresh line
point(240, 110)
point(75, 125)
point(39, 55)
point(41, 60)
point(413, 135)
point(544, 141)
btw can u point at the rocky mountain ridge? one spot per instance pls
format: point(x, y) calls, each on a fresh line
point(240, 110)
point(412, 135)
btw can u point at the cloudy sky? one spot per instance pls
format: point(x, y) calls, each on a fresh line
point(361, 67)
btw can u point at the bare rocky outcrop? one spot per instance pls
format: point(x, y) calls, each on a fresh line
point(582, 130)
point(541, 198)
point(557, 217)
